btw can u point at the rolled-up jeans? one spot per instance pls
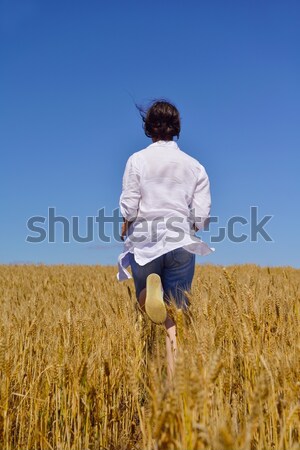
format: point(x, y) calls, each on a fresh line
point(176, 270)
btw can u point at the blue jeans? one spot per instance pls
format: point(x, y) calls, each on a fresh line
point(176, 270)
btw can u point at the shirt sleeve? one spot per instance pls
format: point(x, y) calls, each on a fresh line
point(131, 193)
point(201, 201)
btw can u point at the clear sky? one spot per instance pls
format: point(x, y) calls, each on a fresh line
point(70, 71)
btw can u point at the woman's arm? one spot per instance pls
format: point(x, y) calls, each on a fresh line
point(201, 202)
point(130, 196)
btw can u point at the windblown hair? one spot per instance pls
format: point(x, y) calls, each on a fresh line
point(161, 120)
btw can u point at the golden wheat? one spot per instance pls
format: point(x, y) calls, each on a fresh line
point(82, 368)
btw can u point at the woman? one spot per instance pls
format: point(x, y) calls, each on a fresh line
point(165, 199)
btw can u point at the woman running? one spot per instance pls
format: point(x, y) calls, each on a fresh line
point(165, 199)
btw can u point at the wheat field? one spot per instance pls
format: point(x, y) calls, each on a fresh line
point(82, 368)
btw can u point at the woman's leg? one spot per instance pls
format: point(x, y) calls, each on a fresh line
point(171, 342)
point(140, 274)
point(179, 267)
point(171, 346)
point(142, 299)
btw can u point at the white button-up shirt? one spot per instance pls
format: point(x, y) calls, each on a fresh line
point(165, 192)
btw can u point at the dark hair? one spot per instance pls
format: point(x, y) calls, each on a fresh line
point(161, 120)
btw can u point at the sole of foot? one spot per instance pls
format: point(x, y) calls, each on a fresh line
point(154, 305)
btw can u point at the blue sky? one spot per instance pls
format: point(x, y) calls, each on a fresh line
point(69, 74)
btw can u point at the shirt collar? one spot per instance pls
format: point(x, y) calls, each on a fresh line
point(169, 144)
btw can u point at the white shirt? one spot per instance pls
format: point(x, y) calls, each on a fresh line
point(164, 192)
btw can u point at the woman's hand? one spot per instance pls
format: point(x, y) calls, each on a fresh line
point(195, 228)
point(124, 229)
